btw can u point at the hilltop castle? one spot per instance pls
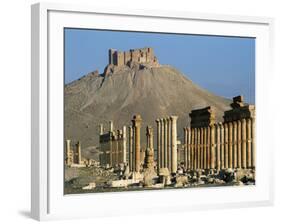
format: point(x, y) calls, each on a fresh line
point(141, 55)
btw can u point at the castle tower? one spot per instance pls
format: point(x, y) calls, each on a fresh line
point(111, 53)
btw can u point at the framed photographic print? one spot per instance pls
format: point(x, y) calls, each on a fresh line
point(168, 109)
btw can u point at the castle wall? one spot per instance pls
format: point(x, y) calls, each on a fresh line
point(143, 55)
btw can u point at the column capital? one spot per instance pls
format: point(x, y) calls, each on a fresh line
point(137, 120)
point(173, 118)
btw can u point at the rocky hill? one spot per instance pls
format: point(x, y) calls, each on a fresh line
point(122, 91)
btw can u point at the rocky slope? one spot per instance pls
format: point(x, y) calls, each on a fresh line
point(120, 92)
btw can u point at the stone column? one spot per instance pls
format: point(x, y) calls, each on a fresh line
point(68, 152)
point(213, 155)
point(101, 129)
point(149, 155)
point(195, 148)
point(249, 144)
point(244, 136)
point(239, 152)
point(226, 145)
point(111, 150)
point(222, 145)
point(253, 143)
point(169, 142)
point(111, 126)
point(158, 145)
point(218, 147)
point(185, 147)
point(230, 151)
point(205, 148)
point(137, 125)
point(165, 142)
point(198, 149)
point(162, 144)
point(174, 143)
point(149, 137)
point(202, 148)
point(124, 145)
point(130, 148)
point(192, 150)
point(235, 144)
point(78, 151)
point(208, 148)
point(188, 148)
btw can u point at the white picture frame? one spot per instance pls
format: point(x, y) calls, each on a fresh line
point(48, 201)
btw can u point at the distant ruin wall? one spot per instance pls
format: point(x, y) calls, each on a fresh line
point(113, 147)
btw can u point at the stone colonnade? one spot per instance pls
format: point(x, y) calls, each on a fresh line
point(220, 146)
point(167, 143)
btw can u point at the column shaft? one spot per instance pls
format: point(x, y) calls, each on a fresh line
point(198, 148)
point(239, 152)
point(205, 148)
point(244, 146)
point(158, 145)
point(162, 164)
point(185, 147)
point(188, 148)
point(226, 145)
point(213, 155)
point(137, 125)
point(230, 150)
point(222, 146)
point(165, 143)
point(174, 143)
point(218, 147)
point(235, 144)
point(253, 143)
point(202, 148)
point(249, 143)
point(168, 143)
point(124, 145)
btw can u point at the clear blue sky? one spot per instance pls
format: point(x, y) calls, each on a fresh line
point(222, 65)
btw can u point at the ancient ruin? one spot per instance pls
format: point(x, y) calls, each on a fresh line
point(142, 55)
point(113, 146)
point(216, 146)
point(73, 156)
point(164, 140)
point(210, 153)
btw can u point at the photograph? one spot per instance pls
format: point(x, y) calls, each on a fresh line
point(157, 111)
